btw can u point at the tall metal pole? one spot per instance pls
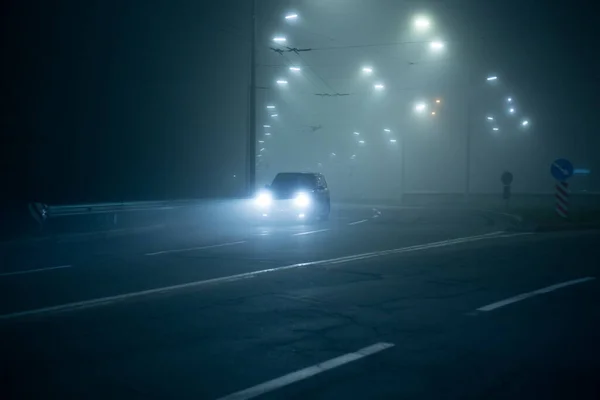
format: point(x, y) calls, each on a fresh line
point(468, 138)
point(402, 167)
point(468, 152)
point(251, 144)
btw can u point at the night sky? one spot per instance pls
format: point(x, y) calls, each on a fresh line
point(139, 100)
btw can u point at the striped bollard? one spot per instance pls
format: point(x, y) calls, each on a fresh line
point(562, 199)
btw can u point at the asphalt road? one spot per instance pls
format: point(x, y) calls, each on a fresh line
point(375, 303)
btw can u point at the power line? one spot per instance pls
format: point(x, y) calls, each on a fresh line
point(359, 46)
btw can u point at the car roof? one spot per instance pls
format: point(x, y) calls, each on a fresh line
point(300, 173)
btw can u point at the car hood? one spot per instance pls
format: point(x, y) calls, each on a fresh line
point(287, 194)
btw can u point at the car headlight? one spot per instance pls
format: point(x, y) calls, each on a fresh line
point(302, 200)
point(264, 199)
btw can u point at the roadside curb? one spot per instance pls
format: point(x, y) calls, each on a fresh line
point(82, 236)
point(566, 227)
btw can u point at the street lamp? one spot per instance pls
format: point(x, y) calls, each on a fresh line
point(274, 115)
point(267, 134)
point(291, 17)
point(282, 82)
point(367, 70)
point(436, 45)
point(511, 110)
point(420, 107)
point(492, 78)
point(525, 123)
point(270, 106)
point(356, 133)
point(295, 69)
point(496, 129)
point(379, 86)
point(433, 113)
point(509, 99)
point(438, 101)
point(393, 140)
point(490, 118)
point(266, 126)
point(387, 130)
point(422, 23)
point(279, 39)
point(361, 142)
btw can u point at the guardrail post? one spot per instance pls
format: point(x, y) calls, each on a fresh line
point(39, 212)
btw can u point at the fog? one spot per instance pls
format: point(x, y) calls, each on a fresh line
point(346, 37)
point(128, 100)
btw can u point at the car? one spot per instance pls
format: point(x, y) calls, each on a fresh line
point(295, 195)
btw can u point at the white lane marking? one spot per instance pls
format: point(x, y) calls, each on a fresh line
point(306, 373)
point(358, 222)
point(309, 232)
point(527, 295)
point(232, 278)
point(31, 271)
point(195, 248)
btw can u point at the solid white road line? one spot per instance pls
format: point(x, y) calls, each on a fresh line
point(309, 232)
point(358, 222)
point(523, 296)
point(305, 373)
point(195, 248)
point(31, 271)
point(232, 278)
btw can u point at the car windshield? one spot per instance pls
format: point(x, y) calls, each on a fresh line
point(291, 181)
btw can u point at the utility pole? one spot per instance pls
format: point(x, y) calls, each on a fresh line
point(468, 134)
point(251, 139)
point(402, 166)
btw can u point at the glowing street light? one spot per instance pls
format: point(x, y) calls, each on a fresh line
point(525, 123)
point(266, 126)
point(379, 86)
point(490, 118)
point(393, 140)
point(438, 101)
point(436, 45)
point(333, 154)
point(279, 39)
point(367, 70)
point(270, 106)
point(282, 82)
point(291, 17)
point(496, 129)
point(491, 78)
point(263, 149)
point(422, 23)
point(420, 107)
point(433, 113)
point(361, 142)
point(356, 133)
point(261, 141)
point(387, 130)
point(274, 115)
point(295, 69)
point(511, 110)
point(267, 133)
point(509, 99)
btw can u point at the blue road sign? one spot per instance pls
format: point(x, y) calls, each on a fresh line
point(561, 169)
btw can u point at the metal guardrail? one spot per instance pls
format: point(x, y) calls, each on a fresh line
point(41, 212)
